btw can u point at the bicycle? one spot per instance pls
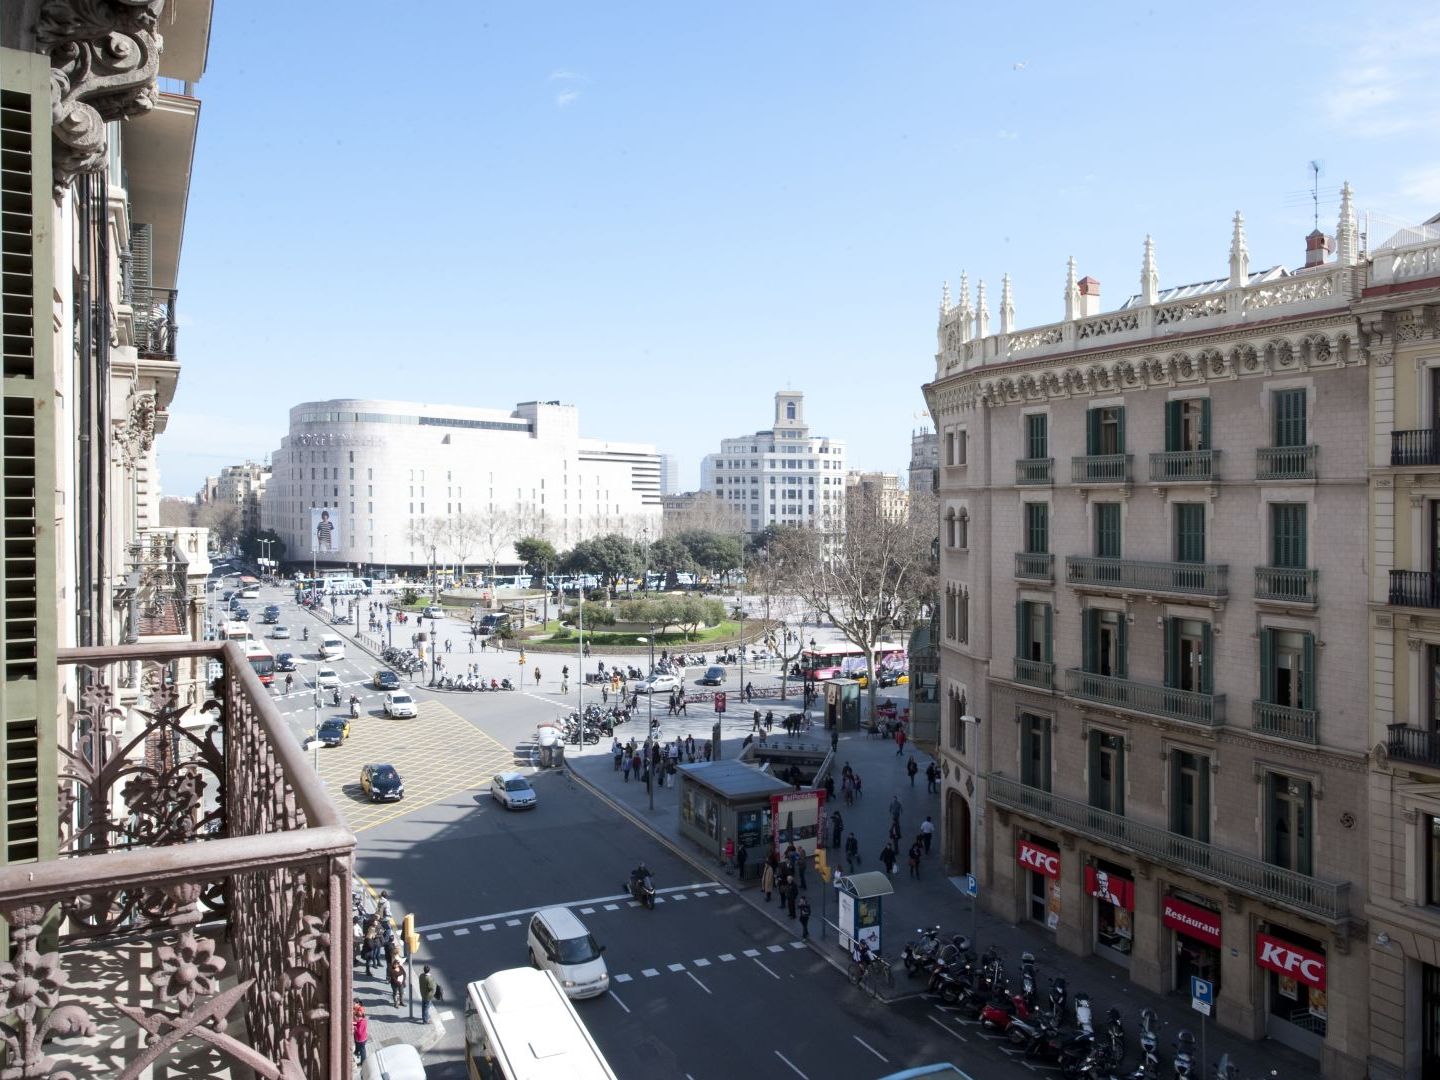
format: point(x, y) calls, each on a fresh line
point(872, 977)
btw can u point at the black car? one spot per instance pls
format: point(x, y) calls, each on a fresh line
point(385, 679)
point(332, 732)
point(242, 614)
point(381, 782)
point(272, 614)
point(285, 662)
point(227, 594)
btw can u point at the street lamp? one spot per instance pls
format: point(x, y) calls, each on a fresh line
point(739, 613)
point(650, 705)
point(975, 822)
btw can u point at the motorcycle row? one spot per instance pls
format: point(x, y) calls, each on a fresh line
point(468, 681)
point(595, 723)
point(1053, 1030)
point(402, 660)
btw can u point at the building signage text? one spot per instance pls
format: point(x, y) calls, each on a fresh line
point(1041, 859)
point(1190, 920)
point(1289, 960)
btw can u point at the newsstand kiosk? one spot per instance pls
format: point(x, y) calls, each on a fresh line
point(859, 902)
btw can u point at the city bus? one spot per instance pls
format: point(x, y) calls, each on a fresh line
point(238, 631)
point(519, 1025)
point(261, 662)
point(249, 587)
point(842, 660)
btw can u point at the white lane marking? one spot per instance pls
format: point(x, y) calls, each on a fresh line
point(488, 926)
point(587, 911)
point(676, 967)
point(633, 903)
point(461, 931)
point(751, 953)
point(618, 1001)
point(650, 973)
point(787, 1061)
point(726, 957)
point(700, 963)
point(697, 982)
point(659, 899)
point(867, 1046)
point(797, 944)
point(947, 1029)
point(700, 892)
point(775, 948)
point(679, 897)
point(612, 907)
point(771, 973)
point(620, 978)
point(498, 915)
point(433, 937)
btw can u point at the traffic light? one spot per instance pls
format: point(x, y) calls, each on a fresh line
point(822, 865)
point(409, 936)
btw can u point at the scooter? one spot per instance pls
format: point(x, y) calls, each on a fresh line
point(1184, 1063)
point(643, 891)
point(1027, 979)
point(354, 708)
point(918, 954)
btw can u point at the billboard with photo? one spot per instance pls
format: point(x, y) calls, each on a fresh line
point(325, 530)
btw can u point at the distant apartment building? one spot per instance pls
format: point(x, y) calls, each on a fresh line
point(240, 486)
point(878, 493)
point(783, 475)
point(924, 460)
point(1155, 608)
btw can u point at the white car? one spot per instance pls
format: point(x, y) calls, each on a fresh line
point(326, 679)
point(399, 703)
point(659, 683)
point(281, 632)
point(512, 791)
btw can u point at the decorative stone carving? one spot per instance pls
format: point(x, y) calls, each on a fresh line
point(104, 56)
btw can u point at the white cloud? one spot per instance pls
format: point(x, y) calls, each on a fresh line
point(1422, 185)
point(572, 80)
point(1007, 135)
point(566, 97)
point(1385, 84)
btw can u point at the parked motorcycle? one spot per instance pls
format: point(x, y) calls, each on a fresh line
point(642, 890)
point(1184, 1061)
point(917, 954)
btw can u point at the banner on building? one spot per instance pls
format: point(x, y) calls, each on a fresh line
point(325, 530)
point(1109, 887)
point(1041, 859)
point(1291, 961)
point(1191, 920)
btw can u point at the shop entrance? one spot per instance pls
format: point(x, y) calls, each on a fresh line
point(1114, 891)
point(957, 825)
point(1295, 988)
point(1195, 924)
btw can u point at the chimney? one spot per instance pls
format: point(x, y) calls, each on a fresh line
point(1089, 296)
point(1317, 249)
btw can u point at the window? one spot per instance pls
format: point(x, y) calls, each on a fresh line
point(1035, 760)
point(1288, 810)
point(955, 446)
point(1287, 535)
point(1190, 795)
point(1107, 771)
point(952, 528)
point(1107, 530)
point(964, 529)
point(1037, 528)
point(1105, 432)
point(1104, 647)
point(1037, 435)
point(1190, 532)
point(1034, 630)
point(1187, 655)
point(790, 410)
point(1431, 825)
point(957, 726)
point(1187, 425)
point(1289, 411)
point(1287, 668)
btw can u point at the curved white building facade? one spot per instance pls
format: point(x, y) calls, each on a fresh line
point(386, 469)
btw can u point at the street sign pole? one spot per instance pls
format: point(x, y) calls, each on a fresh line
point(1202, 1000)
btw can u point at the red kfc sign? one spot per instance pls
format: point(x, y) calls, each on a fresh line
point(1302, 965)
point(1111, 888)
point(1042, 859)
point(1190, 920)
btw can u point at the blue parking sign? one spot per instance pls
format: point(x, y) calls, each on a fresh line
point(972, 887)
point(1202, 994)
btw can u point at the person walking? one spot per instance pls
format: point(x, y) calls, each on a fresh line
point(895, 834)
point(361, 1028)
point(767, 880)
point(916, 849)
point(792, 894)
point(932, 778)
point(370, 946)
point(899, 740)
point(887, 858)
point(802, 909)
point(852, 852)
point(396, 975)
point(895, 807)
point(837, 829)
point(625, 767)
point(382, 908)
point(927, 832)
point(427, 993)
point(741, 854)
point(537, 675)
point(912, 768)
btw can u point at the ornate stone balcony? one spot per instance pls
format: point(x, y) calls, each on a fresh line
point(1035, 470)
point(1419, 745)
point(1285, 722)
point(1327, 900)
point(1131, 575)
point(1185, 467)
point(1415, 588)
point(1414, 447)
point(1100, 469)
point(1286, 462)
point(1207, 710)
point(198, 912)
point(1034, 566)
point(1286, 584)
point(1035, 673)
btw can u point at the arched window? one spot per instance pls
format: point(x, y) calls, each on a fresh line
point(952, 528)
point(790, 410)
point(963, 530)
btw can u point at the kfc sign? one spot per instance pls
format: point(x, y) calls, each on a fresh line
point(1302, 965)
point(1190, 920)
point(1106, 886)
point(1042, 859)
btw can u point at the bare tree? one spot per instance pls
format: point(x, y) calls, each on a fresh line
point(495, 533)
point(177, 513)
point(705, 513)
point(462, 535)
point(427, 533)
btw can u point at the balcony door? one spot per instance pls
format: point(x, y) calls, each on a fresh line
point(1187, 655)
point(1288, 832)
point(1190, 795)
point(1104, 644)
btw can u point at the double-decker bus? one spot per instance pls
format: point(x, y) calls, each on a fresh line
point(260, 660)
point(841, 659)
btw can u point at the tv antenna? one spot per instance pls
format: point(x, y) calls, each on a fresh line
point(1315, 167)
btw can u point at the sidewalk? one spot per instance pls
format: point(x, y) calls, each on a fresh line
point(932, 899)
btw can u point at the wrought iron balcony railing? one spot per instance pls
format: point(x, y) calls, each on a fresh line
point(1287, 722)
point(1414, 447)
point(1195, 579)
point(1035, 470)
point(1286, 462)
point(1287, 584)
point(1419, 745)
point(1328, 900)
point(1415, 588)
point(1185, 466)
point(153, 315)
point(1100, 469)
point(1207, 710)
point(1039, 673)
point(193, 830)
point(1035, 565)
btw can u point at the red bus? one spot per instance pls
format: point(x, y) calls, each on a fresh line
point(842, 660)
point(261, 662)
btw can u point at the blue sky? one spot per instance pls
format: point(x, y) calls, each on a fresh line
point(665, 212)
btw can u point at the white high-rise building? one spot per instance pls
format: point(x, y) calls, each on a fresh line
point(385, 469)
point(782, 476)
point(669, 474)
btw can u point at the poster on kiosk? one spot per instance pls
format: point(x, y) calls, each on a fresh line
point(795, 819)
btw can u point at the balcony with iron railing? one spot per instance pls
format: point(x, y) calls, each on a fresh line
point(1190, 706)
point(197, 915)
point(1285, 584)
point(1131, 575)
point(1287, 722)
point(1418, 745)
point(1100, 469)
point(152, 316)
point(1039, 673)
point(1035, 470)
point(1415, 588)
point(1034, 566)
point(1185, 466)
point(1414, 447)
point(1327, 900)
point(1286, 462)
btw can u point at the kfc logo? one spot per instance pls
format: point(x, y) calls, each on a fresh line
point(1302, 965)
point(1041, 859)
point(1105, 886)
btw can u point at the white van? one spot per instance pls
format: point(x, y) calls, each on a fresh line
point(332, 647)
point(559, 943)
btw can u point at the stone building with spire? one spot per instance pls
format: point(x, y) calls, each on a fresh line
point(1156, 717)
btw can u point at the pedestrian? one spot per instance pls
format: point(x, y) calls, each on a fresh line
point(858, 789)
point(729, 854)
point(362, 1030)
point(618, 752)
point(749, 691)
point(755, 724)
point(604, 694)
point(625, 764)
point(852, 852)
point(370, 946)
point(837, 829)
point(895, 807)
point(899, 740)
point(769, 720)
point(767, 880)
point(741, 855)
point(427, 993)
point(927, 831)
point(932, 776)
point(887, 858)
point(396, 973)
point(912, 768)
point(829, 787)
point(802, 908)
point(382, 908)
point(895, 834)
point(915, 851)
point(537, 674)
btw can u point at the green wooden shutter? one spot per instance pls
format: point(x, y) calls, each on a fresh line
point(1207, 667)
point(1093, 767)
point(1088, 647)
point(1092, 431)
point(1205, 423)
point(1173, 426)
point(1049, 634)
point(1267, 665)
point(1172, 652)
point(1020, 621)
point(1036, 429)
point(1190, 532)
point(1120, 430)
point(1307, 679)
point(1122, 649)
point(1288, 529)
point(1107, 530)
point(1289, 417)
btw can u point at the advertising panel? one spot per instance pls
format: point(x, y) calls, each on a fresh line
point(325, 530)
point(1289, 960)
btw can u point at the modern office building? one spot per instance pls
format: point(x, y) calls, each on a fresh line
point(384, 472)
point(783, 475)
point(669, 474)
point(1154, 664)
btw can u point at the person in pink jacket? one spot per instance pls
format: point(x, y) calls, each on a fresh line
point(362, 1031)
